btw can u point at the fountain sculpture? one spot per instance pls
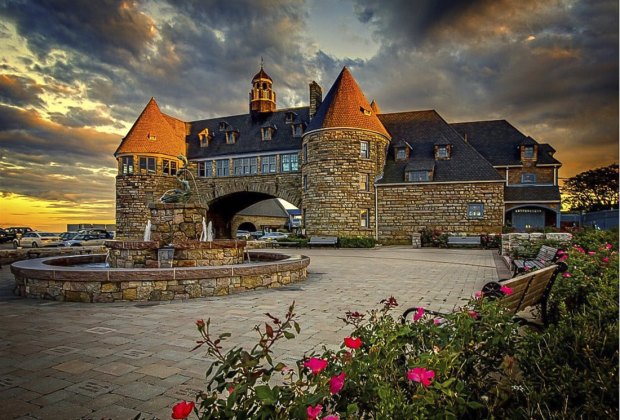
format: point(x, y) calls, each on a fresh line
point(177, 258)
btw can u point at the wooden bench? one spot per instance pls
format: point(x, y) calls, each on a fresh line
point(528, 289)
point(545, 257)
point(464, 240)
point(323, 240)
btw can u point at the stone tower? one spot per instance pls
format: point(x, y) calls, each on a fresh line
point(148, 160)
point(262, 95)
point(344, 151)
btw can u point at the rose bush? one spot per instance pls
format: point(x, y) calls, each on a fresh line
point(473, 363)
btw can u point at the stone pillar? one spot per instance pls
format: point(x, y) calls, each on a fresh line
point(416, 240)
point(173, 223)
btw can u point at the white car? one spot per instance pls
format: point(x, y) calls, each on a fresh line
point(273, 236)
point(89, 239)
point(37, 239)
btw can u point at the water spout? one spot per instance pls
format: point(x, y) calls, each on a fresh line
point(203, 234)
point(147, 231)
point(210, 232)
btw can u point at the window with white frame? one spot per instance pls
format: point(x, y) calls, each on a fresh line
point(528, 152)
point(364, 149)
point(127, 165)
point(418, 176)
point(401, 153)
point(268, 164)
point(147, 165)
point(205, 169)
point(364, 182)
point(442, 152)
point(528, 178)
point(222, 167)
point(365, 218)
point(289, 162)
point(475, 210)
point(245, 166)
point(169, 167)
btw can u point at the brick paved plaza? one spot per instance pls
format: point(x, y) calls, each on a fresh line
point(92, 361)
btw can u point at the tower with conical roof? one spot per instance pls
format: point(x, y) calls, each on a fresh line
point(148, 160)
point(344, 152)
point(262, 95)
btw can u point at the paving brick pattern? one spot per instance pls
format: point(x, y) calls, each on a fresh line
point(93, 361)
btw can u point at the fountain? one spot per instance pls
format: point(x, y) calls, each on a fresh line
point(177, 258)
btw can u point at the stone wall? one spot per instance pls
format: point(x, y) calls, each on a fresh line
point(512, 241)
point(34, 279)
point(176, 222)
point(259, 222)
point(133, 195)
point(544, 174)
point(407, 209)
point(333, 199)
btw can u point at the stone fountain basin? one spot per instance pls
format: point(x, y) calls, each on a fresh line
point(62, 279)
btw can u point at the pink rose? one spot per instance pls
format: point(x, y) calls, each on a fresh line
point(421, 375)
point(315, 365)
point(353, 342)
point(336, 383)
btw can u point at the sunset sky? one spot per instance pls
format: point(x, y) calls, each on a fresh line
point(74, 76)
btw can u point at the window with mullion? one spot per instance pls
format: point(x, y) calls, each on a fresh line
point(268, 164)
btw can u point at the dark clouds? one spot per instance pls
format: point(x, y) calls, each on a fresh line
point(550, 68)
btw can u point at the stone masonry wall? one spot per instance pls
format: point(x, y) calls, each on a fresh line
point(544, 174)
point(333, 199)
point(133, 195)
point(176, 222)
point(407, 209)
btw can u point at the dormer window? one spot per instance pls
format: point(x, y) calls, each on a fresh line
point(418, 176)
point(267, 132)
point(151, 137)
point(297, 130)
point(401, 153)
point(443, 151)
point(528, 152)
point(223, 125)
point(204, 137)
point(365, 111)
point(232, 136)
point(290, 117)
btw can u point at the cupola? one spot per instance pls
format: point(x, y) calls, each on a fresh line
point(262, 95)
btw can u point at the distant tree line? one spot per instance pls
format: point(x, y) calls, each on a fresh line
point(593, 190)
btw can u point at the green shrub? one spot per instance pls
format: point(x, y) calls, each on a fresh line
point(434, 238)
point(474, 363)
point(356, 242)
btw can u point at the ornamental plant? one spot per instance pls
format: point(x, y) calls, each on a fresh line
point(476, 362)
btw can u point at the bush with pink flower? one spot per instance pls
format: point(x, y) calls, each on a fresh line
point(474, 363)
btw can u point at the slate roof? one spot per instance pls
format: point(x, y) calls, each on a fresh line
point(422, 129)
point(346, 106)
point(167, 134)
point(532, 193)
point(498, 141)
point(249, 128)
point(261, 75)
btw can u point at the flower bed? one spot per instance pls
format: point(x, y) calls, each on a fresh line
point(474, 363)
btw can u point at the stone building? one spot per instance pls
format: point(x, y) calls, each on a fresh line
point(351, 169)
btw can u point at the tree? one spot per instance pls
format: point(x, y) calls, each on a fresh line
point(593, 190)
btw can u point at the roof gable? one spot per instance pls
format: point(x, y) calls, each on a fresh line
point(346, 106)
point(153, 133)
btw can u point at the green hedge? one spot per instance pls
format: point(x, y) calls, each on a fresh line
point(356, 242)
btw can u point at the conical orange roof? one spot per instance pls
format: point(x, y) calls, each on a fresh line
point(346, 106)
point(152, 133)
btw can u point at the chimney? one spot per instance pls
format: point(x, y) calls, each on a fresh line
point(316, 97)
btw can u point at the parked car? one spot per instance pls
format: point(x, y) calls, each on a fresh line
point(243, 234)
point(257, 234)
point(16, 232)
point(4, 236)
point(89, 239)
point(37, 239)
point(67, 236)
point(273, 236)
